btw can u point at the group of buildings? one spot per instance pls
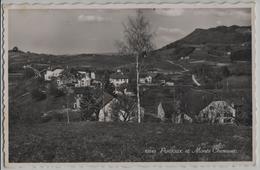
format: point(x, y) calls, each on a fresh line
point(68, 77)
point(216, 112)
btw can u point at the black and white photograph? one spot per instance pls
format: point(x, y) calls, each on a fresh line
point(171, 84)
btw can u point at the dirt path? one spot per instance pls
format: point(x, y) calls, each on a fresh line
point(184, 69)
point(194, 80)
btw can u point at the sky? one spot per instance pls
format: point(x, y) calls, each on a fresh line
point(67, 31)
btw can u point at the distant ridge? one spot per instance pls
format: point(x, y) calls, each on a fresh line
point(221, 34)
point(207, 44)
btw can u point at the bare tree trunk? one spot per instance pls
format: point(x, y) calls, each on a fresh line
point(137, 88)
point(68, 118)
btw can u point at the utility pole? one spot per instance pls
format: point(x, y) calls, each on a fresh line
point(68, 93)
point(68, 118)
point(102, 85)
point(137, 88)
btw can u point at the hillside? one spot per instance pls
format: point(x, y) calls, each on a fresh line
point(218, 35)
point(208, 43)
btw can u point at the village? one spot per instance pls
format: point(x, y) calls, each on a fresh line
point(111, 96)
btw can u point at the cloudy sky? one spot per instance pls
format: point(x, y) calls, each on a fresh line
point(95, 31)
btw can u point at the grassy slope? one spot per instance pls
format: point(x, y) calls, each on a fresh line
point(93, 141)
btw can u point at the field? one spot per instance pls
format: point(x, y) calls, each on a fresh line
point(113, 142)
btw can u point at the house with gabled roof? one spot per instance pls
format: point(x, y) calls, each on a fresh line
point(52, 73)
point(78, 94)
point(220, 112)
point(107, 112)
point(118, 78)
point(145, 79)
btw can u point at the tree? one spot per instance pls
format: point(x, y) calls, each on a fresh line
point(137, 42)
point(124, 108)
point(137, 36)
point(15, 49)
point(91, 103)
point(109, 88)
point(55, 91)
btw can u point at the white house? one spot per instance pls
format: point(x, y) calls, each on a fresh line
point(106, 112)
point(218, 112)
point(118, 78)
point(76, 104)
point(169, 83)
point(49, 74)
point(185, 58)
point(145, 79)
point(92, 75)
point(83, 82)
point(160, 112)
point(84, 78)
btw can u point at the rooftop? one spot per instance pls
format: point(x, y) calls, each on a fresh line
point(118, 75)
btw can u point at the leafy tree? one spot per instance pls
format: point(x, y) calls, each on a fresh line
point(109, 88)
point(91, 103)
point(55, 91)
point(15, 49)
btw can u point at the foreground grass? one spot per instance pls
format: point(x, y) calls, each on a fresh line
point(97, 142)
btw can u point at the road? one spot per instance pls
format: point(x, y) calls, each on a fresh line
point(194, 80)
point(184, 69)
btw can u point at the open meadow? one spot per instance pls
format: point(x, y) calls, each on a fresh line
point(114, 142)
